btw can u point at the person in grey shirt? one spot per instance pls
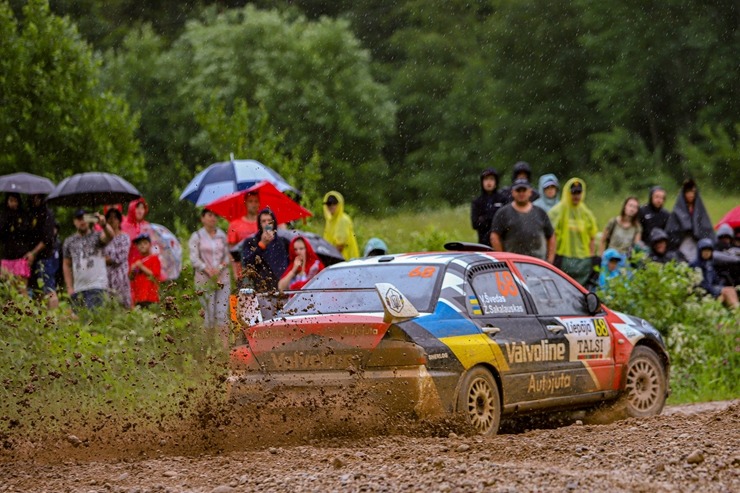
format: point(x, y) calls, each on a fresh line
point(522, 227)
point(85, 273)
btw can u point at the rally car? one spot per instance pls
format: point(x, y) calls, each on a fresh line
point(481, 334)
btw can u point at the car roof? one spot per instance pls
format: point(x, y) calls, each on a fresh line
point(438, 258)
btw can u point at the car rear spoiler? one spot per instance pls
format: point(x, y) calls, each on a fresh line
point(396, 307)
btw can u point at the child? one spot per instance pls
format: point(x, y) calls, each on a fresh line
point(612, 264)
point(145, 273)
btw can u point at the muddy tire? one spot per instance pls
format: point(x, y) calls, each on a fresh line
point(644, 394)
point(645, 388)
point(479, 402)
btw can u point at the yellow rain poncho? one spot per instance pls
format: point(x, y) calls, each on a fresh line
point(339, 229)
point(575, 226)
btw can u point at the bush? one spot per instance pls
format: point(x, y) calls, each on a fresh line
point(703, 337)
point(133, 364)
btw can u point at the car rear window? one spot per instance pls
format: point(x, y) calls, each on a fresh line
point(352, 289)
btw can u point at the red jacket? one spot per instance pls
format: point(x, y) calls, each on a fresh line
point(143, 288)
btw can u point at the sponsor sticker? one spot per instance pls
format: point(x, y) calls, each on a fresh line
point(394, 300)
point(520, 352)
point(588, 338)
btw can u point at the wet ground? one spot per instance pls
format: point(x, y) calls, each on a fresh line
point(688, 448)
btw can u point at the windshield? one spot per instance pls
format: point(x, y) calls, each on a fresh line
point(352, 289)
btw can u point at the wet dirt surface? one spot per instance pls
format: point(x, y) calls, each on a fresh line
point(688, 448)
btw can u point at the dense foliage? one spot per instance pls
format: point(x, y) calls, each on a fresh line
point(416, 95)
point(703, 336)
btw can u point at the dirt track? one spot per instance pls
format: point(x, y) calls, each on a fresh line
point(688, 448)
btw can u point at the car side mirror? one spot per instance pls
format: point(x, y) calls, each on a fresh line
point(593, 303)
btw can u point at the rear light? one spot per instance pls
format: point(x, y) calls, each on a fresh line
point(242, 359)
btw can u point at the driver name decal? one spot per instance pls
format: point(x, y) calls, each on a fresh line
point(521, 352)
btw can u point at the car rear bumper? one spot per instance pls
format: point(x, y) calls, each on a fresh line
point(394, 390)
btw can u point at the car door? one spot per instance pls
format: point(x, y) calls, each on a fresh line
point(519, 343)
point(562, 312)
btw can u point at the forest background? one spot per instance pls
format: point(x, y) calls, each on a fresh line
point(399, 105)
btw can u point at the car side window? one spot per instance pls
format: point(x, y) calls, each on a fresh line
point(551, 292)
point(496, 293)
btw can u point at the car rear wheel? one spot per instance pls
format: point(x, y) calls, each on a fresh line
point(479, 402)
point(645, 388)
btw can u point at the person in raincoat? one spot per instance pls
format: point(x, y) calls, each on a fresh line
point(338, 229)
point(711, 281)
point(548, 186)
point(575, 231)
point(689, 222)
point(303, 265)
point(612, 265)
point(375, 247)
point(485, 206)
point(135, 224)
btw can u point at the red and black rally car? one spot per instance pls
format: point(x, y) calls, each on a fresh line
point(482, 334)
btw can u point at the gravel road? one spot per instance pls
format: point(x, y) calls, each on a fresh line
point(688, 448)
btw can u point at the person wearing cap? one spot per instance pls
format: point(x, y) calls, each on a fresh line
point(575, 231)
point(659, 251)
point(522, 170)
point(521, 227)
point(85, 274)
point(653, 214)
point(484, 207)
point(338, 229)
point(145, 273)
point(711, 281)
point(689, 222)
point(549, 186)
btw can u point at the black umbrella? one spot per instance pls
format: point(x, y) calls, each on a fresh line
point(92, 188)
point(26, 183)
point(327, 252)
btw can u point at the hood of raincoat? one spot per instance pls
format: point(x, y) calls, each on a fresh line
point(522, 166)
point(575, 225)
point(340, 206)
point(611, 254)
point(657, 235)
point(725, 230)
point(650, 198)
point(131, 216)
point(266, 210)
point(375, 244)
point(682, 221)
point(545, 181)
point(704, 243)
point(311, 257)
point(484, 173)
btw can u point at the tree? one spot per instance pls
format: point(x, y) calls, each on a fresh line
point(312, 78)
point(54, 118)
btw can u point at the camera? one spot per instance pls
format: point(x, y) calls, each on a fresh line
point(91, 218)
point(268, 227)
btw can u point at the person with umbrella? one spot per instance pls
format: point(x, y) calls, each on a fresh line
point(42, 256)
point(264, 255)
point(15, 241)
point(245, 226)
point(135, 224)
point(84, 268)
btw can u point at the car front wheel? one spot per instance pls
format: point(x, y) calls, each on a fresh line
point(479, 402)
point(645, 388)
